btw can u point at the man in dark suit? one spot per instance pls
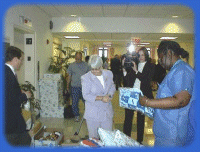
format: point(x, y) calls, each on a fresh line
point(15, 126)
point(116, 70)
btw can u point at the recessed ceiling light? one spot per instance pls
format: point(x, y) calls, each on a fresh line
point(144, 43)
point(174, 16)
point(168, 38)
point(73, 15)
point(72, 37)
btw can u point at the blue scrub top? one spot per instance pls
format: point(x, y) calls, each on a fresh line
point(174, 127)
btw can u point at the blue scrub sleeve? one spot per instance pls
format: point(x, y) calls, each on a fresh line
point(182, 80)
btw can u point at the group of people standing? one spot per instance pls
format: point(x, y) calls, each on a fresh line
point(174, 123)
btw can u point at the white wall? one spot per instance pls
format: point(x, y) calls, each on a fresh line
point(120, 50)
point(40, 25)
point(74, 44)
point(19, 42)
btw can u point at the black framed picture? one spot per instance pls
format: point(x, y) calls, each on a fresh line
point(28, 40)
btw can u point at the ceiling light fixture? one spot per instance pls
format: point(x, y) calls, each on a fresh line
point(168, 38)
point(72, 37)
point(73, 15)
point(144, 43)
point(175, 16)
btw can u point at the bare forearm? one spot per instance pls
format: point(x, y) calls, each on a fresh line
point(167, 103)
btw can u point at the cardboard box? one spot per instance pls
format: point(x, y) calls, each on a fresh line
point(38, 142)
point(27, 117)
point(26, 114)
point(36, 127)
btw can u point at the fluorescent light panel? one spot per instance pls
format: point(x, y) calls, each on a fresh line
point(144, 43)
point(72, 37)
point(168, 38)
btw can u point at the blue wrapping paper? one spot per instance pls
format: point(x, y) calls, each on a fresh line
point(129, 98)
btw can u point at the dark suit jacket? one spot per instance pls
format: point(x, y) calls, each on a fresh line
point(145, 77)
point(115, 66)
point(159, 74)
point(14, 120)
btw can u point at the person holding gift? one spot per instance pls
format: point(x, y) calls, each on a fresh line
point(98, 89)
point(138, 76)
point(174, 123)
point(15, 125)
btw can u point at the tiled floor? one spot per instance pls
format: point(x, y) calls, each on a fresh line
point(69, 126)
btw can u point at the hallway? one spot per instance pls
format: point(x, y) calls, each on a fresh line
point(69, 126)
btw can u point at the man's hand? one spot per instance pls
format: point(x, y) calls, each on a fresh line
point(28, 94)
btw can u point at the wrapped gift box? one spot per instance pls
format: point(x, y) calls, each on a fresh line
point(91, 142)
point(50, 103)
point(56, 112)
point(39, 138)
point(46, 84)
point(116, 138)
point(129, 98)
point(51, 97)
point(53, 76)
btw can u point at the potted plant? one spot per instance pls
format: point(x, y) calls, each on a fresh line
point(60, 64)
point(27, 86)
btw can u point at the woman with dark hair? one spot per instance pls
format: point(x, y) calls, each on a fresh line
point(139, 76)
point(174, 114)
point(185, 56)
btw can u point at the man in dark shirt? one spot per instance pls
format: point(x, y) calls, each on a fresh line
point(116, 70)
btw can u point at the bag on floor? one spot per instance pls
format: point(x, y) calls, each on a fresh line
point(68, 112)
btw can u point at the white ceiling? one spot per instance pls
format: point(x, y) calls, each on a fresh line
point(123, 10)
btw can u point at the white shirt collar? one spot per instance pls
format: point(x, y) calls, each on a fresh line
point(11, 67)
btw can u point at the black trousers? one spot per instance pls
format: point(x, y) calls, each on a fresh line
point(117, 80)
point(128, 124)
point(19, 139)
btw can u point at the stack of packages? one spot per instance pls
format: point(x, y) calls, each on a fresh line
point(51, 96)
point(114, 138)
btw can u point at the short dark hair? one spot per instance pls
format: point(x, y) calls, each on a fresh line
point(173, 46)
point(12, 52)
point(87, 58)
point(146, 54)
point(78, 52)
